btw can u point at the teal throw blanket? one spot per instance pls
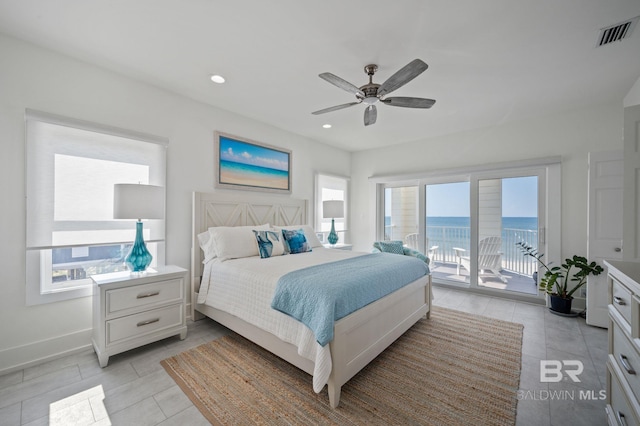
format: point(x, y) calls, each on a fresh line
point(320, 295)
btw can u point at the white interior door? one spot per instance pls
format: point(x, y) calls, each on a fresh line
point(605, 226)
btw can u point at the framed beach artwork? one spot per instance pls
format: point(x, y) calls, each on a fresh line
point(250, 165)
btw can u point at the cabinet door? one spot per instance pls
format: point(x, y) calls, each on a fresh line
point(632, 187)
point(605, 227)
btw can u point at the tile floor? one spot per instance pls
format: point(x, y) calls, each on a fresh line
point(547, 337)
point(135, 390)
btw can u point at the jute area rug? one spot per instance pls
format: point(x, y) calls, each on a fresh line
point(452, 369)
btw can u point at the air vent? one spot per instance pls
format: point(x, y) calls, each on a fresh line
point(617, 32)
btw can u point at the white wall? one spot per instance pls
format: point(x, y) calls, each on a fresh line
point(570, 135)
point(31, 77)
point(633, 97)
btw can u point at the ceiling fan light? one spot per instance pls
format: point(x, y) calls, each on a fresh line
point(370, 100)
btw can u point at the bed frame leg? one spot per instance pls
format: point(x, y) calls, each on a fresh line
point(334, 394)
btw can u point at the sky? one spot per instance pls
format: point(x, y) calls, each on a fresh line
point(519, 198)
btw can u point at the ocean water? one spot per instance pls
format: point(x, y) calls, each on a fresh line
point(449, 232)
point(229, 170)
point(507, 222)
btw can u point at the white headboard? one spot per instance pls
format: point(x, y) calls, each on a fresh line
point(221, 209)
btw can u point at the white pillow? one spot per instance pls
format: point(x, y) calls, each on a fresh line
point(233, 242)
point(207, 245)
point(309, 233)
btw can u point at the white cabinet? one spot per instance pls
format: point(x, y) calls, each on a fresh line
point(131, 310)
point(623, 364)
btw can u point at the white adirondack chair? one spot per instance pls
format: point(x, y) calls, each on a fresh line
point(411, 241)
point(489, 258)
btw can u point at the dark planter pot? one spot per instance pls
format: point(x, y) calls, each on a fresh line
point(559, 304)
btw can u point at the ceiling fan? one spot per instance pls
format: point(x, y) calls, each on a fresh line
point(373, 93)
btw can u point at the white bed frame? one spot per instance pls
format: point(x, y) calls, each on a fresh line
point(358, 338)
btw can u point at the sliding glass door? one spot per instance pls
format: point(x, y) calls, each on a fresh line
point(507, 216)
point(448, 229)
point(470, 226)
point(401, 214)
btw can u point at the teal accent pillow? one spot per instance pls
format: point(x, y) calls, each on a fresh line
point(269, 244)
point(376, 244)
point(296, 241)
point(395, 247)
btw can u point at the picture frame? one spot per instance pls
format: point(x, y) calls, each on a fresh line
point(249, 165)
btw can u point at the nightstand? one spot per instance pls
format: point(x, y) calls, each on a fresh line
point(339, 246)
point(131, 310)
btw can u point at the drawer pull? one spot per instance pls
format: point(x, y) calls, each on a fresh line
point(147, 322)
point(622, 419)
point(625, 363)
point(142, 296)
point(619, 300)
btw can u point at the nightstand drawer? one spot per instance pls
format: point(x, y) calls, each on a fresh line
point(627, 358)
point(161, 292)
point(144, 323)
point(622, 300)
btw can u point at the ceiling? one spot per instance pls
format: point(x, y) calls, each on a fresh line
point(490, 61)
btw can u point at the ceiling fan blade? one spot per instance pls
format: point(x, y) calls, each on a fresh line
point(402, 77)
point(343, 84)
point(402, 101)
point(370, 115)
point(335, 108)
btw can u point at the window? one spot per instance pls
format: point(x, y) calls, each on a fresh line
point(71, 169)
point(470, 221)
point(401, 214)
point(331, 188)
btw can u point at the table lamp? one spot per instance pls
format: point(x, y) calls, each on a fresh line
point(332, 209)
point(137, 201)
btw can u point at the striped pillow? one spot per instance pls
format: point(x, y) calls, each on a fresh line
point(269, 244)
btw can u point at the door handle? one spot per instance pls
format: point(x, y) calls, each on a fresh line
point(147, 322)
point(142, 296)
point(622, 419)
point(617, 249)
point(625, 364)
point(619, 300)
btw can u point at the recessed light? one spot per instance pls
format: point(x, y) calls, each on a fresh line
point(326, 126)
point(217, 79)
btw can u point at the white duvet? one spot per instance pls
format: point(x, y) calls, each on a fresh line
point(244, 288)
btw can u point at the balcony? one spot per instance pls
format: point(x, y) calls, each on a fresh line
point(517, 269)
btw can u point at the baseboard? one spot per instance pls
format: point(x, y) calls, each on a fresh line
point(20, 357)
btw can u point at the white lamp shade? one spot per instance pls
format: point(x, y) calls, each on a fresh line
point(136, 201)
point(332, 209)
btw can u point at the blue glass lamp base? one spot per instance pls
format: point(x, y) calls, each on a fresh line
point(333, 236)
point(139, 258)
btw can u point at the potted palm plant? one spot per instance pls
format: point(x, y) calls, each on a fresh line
point(558, 282)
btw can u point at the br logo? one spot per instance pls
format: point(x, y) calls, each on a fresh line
point(552, 370)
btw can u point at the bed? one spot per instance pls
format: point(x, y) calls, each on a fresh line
point(356, 338)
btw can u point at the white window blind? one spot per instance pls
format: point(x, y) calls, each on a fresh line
point(72, 167)
point(331, 188)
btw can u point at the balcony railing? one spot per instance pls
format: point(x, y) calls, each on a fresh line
point(448, 237)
